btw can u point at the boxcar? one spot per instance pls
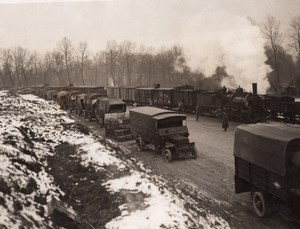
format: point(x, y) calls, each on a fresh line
point(143, 95)
point(163, 97)
point(209, 102)
point(127, 94)
point(114, 92)
point(88, 89)
point(267, 164)
point(188, 97)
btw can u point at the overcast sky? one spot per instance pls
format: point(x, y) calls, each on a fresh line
point(38, 26)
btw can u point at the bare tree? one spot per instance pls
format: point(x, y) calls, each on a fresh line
point(22, 60)
point(271, 31)
point(56, 61)
point(112, 53)
point(101, 66)
point(294, 33)
point(46, 68)
point(67, 50)
point(7, 65)
point(83, 55)
point(128, 53)
point(36, 68)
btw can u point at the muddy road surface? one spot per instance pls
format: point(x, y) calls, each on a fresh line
point(210, 177)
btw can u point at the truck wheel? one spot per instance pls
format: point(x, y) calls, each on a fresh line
point(167, 154)
point(261, 204)
point(101, 122)
point(139, 143)
point(194, 154)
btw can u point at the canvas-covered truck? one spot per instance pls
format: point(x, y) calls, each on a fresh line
point(79, 101)
point(108, 105)
point(163, 129)
point(90, 105)
point(112, 113)
point(267, 164)
point(62, 99)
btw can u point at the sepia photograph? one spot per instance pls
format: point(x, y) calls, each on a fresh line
point(150, 114)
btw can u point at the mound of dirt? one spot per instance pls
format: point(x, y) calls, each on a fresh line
point(83, 187)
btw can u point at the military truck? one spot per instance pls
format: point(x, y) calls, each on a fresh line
point(267, 164)
point(163, 129)
point(106, 106)
point(62, 99)
point(112, 114)
point(90, 105)
point(79, 98)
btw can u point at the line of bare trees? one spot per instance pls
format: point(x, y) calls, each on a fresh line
point(127, 63)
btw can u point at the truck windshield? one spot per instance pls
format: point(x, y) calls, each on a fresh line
point(167, 123)
point(118, 108)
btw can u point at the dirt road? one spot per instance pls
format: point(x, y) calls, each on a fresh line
point(210, 176)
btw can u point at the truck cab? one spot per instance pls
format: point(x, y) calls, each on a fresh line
point(108, 106)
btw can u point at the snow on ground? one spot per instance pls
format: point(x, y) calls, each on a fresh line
point(30, 128)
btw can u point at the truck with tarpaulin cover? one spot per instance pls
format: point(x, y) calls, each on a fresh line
point(112, 114)
point(62, 99)
point(267, 164)
point(166, 130)
point(90, 101)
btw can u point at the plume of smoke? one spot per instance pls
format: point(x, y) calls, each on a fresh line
point(230, 41)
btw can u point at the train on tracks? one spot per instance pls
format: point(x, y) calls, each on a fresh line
point(241, 106)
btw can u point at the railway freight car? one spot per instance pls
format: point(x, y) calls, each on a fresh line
point(209, 102)
point(163, 97)
point(279, 106)
point(144, 96)
point(88, 89)
point(127, 93)
point(114, 92)
point(188, 97)
point(267, 164)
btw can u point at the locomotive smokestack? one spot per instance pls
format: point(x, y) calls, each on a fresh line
point(254, 88)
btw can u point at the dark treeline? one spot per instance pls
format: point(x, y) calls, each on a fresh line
point(127, 63)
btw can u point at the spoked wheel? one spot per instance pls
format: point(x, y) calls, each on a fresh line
point(194, 154)
point(167, 155)
point(261, 204)
point(139, 143)
point(101, 122)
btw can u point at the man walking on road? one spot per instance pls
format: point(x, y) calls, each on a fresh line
point(197, 113)
point(225, 124)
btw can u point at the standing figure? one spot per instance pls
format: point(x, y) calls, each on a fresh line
point(150, 102)
point(180, 107)
point(225, 124)
point(73, 103)
point(197, 113)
